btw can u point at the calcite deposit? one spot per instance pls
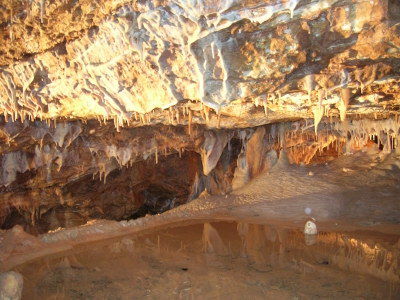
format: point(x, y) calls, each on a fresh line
point(223, 63)
point(118, 108)
point(199, 149)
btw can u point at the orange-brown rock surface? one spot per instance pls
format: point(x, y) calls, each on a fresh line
point(230, 63)
point(79, 80)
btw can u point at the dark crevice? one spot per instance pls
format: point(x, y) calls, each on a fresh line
point(128, 193)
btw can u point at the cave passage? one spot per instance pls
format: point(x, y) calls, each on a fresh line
point(130, 192)
point(62, 182)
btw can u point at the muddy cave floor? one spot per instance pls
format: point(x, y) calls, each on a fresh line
point(248, 244)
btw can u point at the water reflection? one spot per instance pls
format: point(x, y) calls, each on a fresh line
point(221, 260)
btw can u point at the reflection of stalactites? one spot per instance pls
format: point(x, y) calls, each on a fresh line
point(254, 245)
point(242, 229)
point(212, 241)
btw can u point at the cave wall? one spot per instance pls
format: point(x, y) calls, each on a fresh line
point(64, 174)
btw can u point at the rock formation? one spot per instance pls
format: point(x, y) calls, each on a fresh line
point(134, 89)
point(149, 62)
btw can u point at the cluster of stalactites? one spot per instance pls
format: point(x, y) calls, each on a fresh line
point(277, 136)
point(44, 155)
point(107, 156)
point(327, 95)
point(174, 115)
point(385, 132)
point(300, 141)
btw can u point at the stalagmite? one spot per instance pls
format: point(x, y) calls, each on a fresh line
point(310, 233)
point(11, 31)
point(142, 119)
point(171, 115)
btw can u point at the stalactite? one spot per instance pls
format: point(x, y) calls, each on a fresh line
point(344, 102)
point(309, 85)
point(265, 108)
point(207, 114)
point(142, 119)
point(177, 116)
point(190, 121)
point(279, 96)
point(171, 114)
point(318, 112)
point(203, 115)
point(292, 6)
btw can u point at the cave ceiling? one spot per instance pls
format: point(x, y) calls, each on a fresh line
point(235, 63)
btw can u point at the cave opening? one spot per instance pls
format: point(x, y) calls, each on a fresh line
point(146, 187)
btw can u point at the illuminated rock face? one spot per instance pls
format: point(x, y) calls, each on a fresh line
point(80, 78)
point(252, 62)
point(66, 175)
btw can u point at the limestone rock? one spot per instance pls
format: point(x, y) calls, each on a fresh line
point(115, 60)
